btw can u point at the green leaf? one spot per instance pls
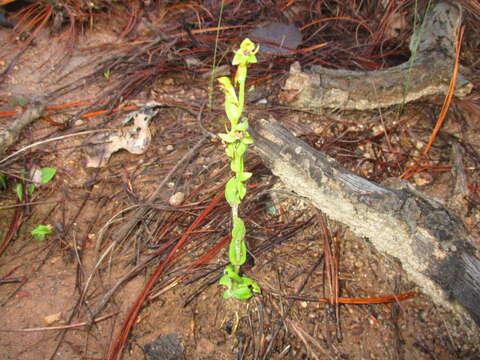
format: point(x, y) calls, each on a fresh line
point(30, 189)
point(3, 181)
point(247, 140)
point(230, 272)
point(251, 283)
point(237, 252)
point(237, 256)
point(226, 280)
point(241, 148)
point(237, 164)
point(41, 231)
point(244, 176)
point(241, 190)
point(230, 149)
point(232, 106)
point(239, 287)
point(233, 112)
point(241, 293)
point(18, 188)
point(47, 174)
point(245, 288)
point(226, 85)
point(231, 193)
point(242, 126)
point(229, 137)
point(239, 231)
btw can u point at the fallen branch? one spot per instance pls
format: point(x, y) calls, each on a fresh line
point(431, 242)
point(426, 73)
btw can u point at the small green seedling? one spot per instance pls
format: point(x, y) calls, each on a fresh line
point(41, 231)
point(237, 140)
point(107, 74)
point(46, 175)
point(18, 188)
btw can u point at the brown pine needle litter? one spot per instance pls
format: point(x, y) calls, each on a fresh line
point(126, 264)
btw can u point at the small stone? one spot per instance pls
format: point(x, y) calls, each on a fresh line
point(423, 179)
point(378, 130)
point(176, 199)
point(358, 264)
point(192, 62)
point(50, 319)
point(263, 101)
point(169, 148)
point(277, 38)
point(166, 347)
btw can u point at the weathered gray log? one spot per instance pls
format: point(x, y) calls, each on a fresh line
point(427, 73)
point(430, 241)
point(10, 134)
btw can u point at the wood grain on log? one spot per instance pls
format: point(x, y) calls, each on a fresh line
point(429, 240)
point(427, 73)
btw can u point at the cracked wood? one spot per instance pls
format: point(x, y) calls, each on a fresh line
point(429, 240)
point(426, 73)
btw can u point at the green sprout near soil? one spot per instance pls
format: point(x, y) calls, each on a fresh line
point(41, 231)
point(237, 140)
point(46, 175)
point(107, 74)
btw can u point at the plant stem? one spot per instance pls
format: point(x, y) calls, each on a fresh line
point(241, 92)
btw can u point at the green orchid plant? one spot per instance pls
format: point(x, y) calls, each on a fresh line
point(237, 140)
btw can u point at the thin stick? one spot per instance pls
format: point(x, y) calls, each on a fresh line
point(38, 143)
point(56, 328)
point(28, 203)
